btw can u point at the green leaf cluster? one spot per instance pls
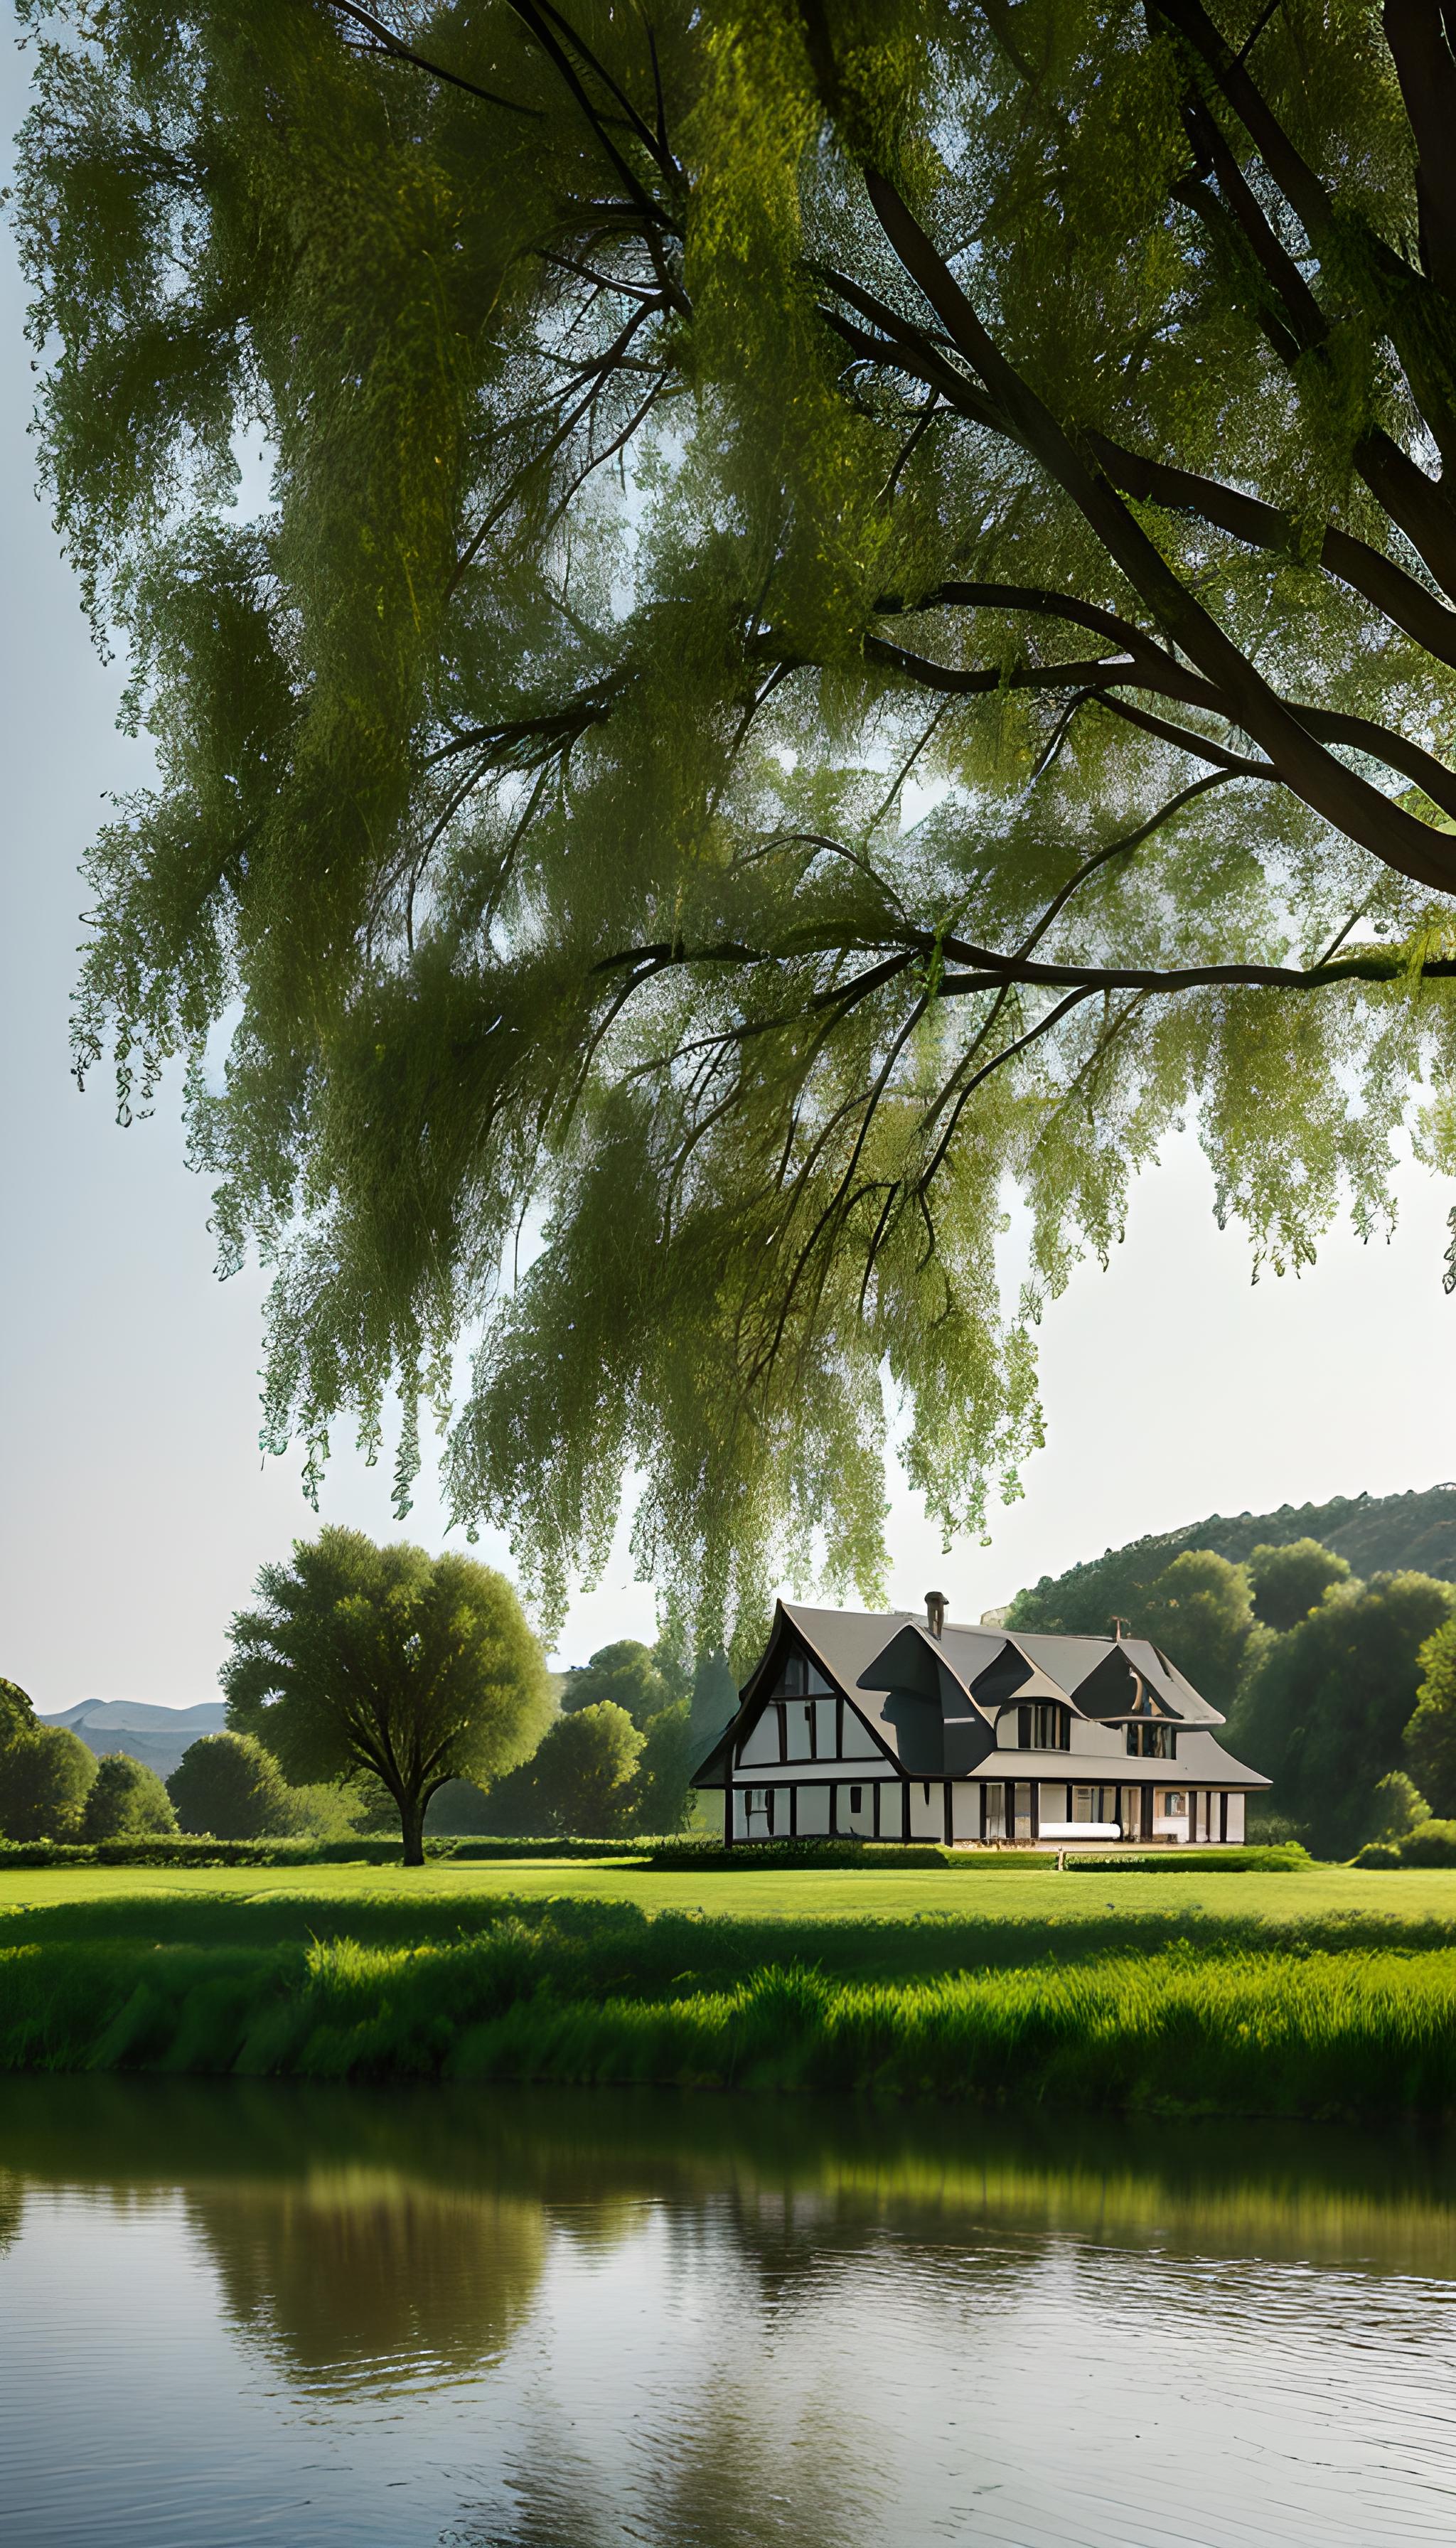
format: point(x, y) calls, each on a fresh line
point(1326, 1706)
point(127, 1801)
point(385, 1664)
point(231, 1787)
point(46, 1772)
point(765, 627)
point(1430, 1736)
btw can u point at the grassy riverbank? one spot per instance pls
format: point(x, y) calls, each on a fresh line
point(1313, 1995)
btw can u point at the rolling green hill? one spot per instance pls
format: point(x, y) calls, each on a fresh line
point(1377, 1534)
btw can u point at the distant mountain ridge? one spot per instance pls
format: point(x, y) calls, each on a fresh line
point(1376, 1535)
point(145, 1732)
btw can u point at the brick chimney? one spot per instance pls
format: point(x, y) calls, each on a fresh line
point(935, 1613)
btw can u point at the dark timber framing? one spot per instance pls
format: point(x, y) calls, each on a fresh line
point(943, 1707)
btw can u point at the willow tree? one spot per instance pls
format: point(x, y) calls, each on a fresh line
point(763, 621)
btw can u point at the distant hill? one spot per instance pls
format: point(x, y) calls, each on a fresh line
point(1376, 1534)
point(156, 1735)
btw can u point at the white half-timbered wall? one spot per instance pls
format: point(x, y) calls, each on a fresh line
point(780, 1802)
point(810, 1767)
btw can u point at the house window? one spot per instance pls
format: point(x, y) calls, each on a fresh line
point(765, 1742)
point(793, 1676)
point(857, 1801)
point(1174, 1801)
point(798, 1729)
point(1044, 1728)
point(1152, 1742)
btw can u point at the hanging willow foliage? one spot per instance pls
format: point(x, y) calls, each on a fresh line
point(686, 425)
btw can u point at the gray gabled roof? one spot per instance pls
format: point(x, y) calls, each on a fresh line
point(850, 1643)
point(920, 1697)
point(1071, 1661)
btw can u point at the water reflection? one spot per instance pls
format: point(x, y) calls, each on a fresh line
point(364, 2277)
point(513, 2321)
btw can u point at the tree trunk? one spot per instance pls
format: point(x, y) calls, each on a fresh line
point(412, 1820)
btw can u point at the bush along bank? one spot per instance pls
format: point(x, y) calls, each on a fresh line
point(1282, 1858)
point(884, 1857)
point(689, 1857)
point(1431, 1844)
point(198, 1850)
point(1368, 2034)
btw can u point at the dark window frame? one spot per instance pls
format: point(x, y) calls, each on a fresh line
point(1152, 1739)
point(1043, 1725)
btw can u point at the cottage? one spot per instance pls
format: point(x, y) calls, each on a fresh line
point(875, 1725)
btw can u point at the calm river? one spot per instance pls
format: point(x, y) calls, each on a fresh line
point(241, 2313)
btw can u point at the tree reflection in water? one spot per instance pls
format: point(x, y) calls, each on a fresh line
point(363, 2279)
point(715, 2322)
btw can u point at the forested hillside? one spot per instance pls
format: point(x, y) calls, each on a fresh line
point(1375, 1534)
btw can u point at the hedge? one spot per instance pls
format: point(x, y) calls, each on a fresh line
point(1431, 1844)
point(375, 1851)
point(1280, 1858)
point(883, 1855)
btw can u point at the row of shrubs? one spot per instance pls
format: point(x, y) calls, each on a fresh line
point(749, 1856)
point(1431, 1844)
point(360, 1849)
point(54, 1792)
point(754, 1856)
point(182, 1849)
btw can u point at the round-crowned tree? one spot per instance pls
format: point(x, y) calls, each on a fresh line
point(1325, 1708)
point(1397, 1807)
point(409, 1669)
point(127, 1801)
point(45, 1776)
point(1430, 1736)
point(584, 1776)
point(624, 1675)
point(17, 1713)
point(229, 1786)
point(670, 1755)
point(1290, 1582)
point(1198, 1611)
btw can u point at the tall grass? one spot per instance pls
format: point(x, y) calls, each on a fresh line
point(1368, 2031)
point(616, 1945)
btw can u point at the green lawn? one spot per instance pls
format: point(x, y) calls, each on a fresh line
point(1312, 1992)
point(978, 1893)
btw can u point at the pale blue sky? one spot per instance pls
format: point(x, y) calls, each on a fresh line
point(136, 1507)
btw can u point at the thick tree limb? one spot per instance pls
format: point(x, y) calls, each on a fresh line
point(399, 51)
point(1380, 964)
point(1161, 674)
point(1400, 842)
point(1402, 600)
point(1426, 70)
point(1402, 286)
